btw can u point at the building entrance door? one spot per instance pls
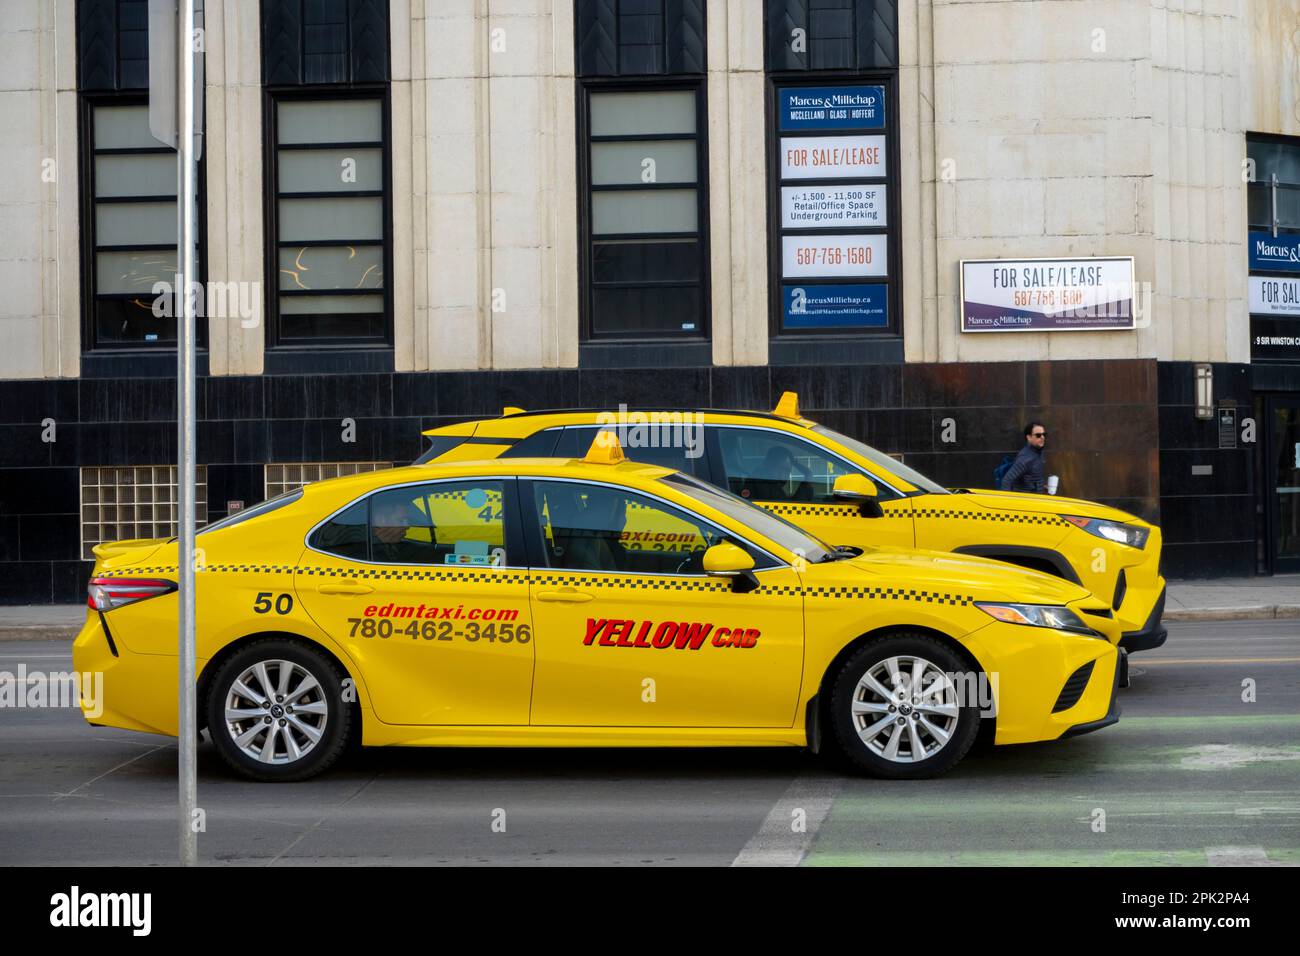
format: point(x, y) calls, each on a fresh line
point(1282, 474)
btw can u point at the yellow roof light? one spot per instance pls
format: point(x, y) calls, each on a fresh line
point(605, 450)
point(511, 410)
point(788, 406)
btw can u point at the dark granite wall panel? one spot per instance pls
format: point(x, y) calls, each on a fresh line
point(1121, 432)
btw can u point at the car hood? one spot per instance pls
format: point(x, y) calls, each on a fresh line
point(1045, 504)
point(980, 578)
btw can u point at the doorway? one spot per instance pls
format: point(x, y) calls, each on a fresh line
point(1282, 482)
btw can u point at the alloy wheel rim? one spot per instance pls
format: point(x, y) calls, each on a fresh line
point(276, 712)
point(905, 709)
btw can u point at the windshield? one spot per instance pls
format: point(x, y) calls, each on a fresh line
point(793, 539)
point(890, 465)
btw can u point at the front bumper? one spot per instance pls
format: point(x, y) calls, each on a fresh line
point(1112, 713)
point(1030, 669)
point(1152, 634)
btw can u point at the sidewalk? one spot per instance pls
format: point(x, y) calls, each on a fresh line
point(1223, 599)
point(1234, 599)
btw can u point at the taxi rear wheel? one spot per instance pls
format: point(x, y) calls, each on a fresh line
point(276, 711)
point(897, 710)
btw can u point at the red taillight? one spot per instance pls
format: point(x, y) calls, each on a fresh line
point(108, 593)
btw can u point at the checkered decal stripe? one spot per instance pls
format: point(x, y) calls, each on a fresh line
point(571, 580)
point(872, 594)
point(645, 584)
point(850, 511)
point(840, 511)
point(134, 571)
point(435, 573)
point(1005, 517)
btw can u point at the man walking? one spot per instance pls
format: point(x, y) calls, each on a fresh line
point(1027, 472)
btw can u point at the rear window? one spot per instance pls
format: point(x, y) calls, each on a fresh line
point(439, 445)
point(538, 445)
point(248, 514)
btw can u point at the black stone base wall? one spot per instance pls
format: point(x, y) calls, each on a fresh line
point(1120, 432)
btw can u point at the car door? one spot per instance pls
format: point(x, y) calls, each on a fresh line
point(794, 477)
point(426, 586)
point(631, 633)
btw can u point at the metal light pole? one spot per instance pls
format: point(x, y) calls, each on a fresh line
point(176, 119)
point(187, 212)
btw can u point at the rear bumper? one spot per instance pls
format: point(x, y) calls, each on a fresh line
point(138, 690)
point(1152, 634)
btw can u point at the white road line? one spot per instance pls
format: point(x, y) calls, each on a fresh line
point(1237, 856)
point(778, 841)
point(124, 763)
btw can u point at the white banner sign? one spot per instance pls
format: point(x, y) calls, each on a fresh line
point(814, 207)
point(814, 256)
point(1047, 295)
point(1273, 296)
point(832, 157)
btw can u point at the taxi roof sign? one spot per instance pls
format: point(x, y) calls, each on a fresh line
point(605, 450)
point(788, 406)
point(511, 410)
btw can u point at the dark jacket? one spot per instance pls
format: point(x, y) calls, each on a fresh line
point(1026, 472)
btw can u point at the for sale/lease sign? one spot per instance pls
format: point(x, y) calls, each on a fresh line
point(1047, 295)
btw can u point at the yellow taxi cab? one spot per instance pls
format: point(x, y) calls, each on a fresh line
point(584, 603)
point(845, 492)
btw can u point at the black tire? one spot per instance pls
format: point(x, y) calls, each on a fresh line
point(845, 688)
point(339, 717)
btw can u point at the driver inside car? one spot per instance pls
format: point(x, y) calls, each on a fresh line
point(781, 478)
point(400, 532)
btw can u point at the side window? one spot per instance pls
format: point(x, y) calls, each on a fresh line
point(460, 523)
point(346, 533)
point(598, 528)
point(448, 523)
point(680, 447)
point(765, 465)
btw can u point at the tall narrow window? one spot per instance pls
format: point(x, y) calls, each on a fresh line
point(643, 170)
point(646, 213)
point(128, 186)
point(331, 214)
point(132, 178)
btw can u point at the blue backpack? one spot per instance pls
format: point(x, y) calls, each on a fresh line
point(1001, 470)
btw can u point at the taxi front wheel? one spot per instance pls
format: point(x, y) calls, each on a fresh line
point(276, 711)
point(898, 711)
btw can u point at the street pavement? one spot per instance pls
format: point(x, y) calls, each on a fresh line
point(1191, 775)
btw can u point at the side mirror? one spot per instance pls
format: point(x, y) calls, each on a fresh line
point(726, 560)
point(861, 489)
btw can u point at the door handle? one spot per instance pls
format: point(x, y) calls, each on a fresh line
point(346, 587)
point(565, 596)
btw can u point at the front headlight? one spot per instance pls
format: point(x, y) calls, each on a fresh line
point(1036, 615)
point(1117, 531)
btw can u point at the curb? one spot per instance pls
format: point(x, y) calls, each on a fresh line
point(1257, 612)
point(38, 632)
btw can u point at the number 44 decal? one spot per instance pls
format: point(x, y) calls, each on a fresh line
point(283, 603)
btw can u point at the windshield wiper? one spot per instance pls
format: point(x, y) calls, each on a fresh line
point(840, 553)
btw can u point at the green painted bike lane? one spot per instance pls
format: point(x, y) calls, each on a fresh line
point(1150, 791)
